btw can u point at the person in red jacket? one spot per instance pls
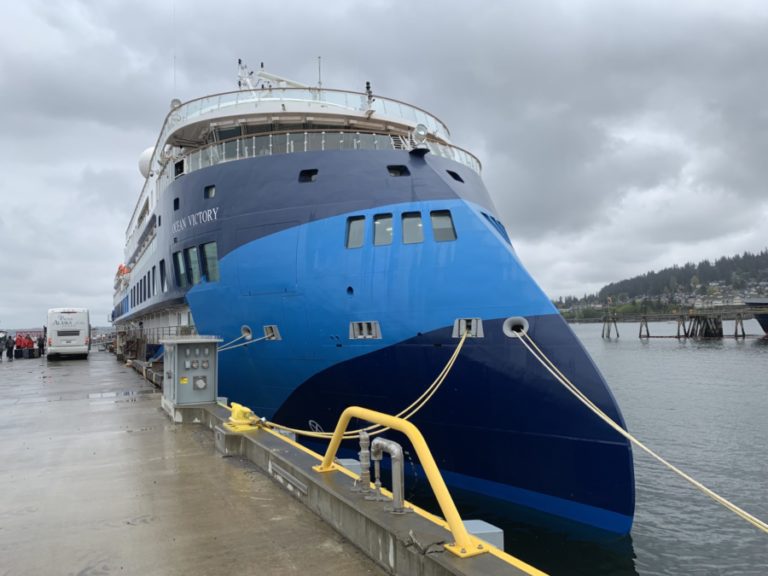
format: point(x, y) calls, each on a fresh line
point(19, 341)
point(28, 342)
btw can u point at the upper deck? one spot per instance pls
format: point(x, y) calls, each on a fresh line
point(284, 117)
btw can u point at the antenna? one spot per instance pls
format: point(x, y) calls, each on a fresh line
point(319, 73)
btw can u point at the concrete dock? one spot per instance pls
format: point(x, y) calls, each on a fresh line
point(96, 480)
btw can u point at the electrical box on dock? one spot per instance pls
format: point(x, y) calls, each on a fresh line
point(191, 370)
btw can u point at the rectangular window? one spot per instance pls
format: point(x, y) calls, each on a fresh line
point(193, 262)
point(442, 226)
point(210, 261)
point(154, 281)
point(413, 231)
point(180, 269)
point(382, 229)
point(209, 191)
point(163, 281)
point(178, 168)
point(175, 203)
point(355, 231)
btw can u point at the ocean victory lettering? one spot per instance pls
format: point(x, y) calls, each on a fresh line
point(192, 220)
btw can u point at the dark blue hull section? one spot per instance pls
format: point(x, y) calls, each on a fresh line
point(501, 428)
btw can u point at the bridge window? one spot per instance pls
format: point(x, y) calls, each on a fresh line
point(193, 261)
point(210, 261)
point(355, 231)
point(382, 229)
point(442, 226)
point(413, 230)
point(180, 269)
point(178, 168)
point(398, 170)
point(308, 175)
point(499, 227)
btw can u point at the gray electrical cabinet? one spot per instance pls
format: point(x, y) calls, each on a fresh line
point(191, 371)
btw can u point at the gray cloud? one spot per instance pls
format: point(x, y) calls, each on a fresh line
point(609, 131)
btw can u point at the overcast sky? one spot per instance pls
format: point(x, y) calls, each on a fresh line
point(616, 137)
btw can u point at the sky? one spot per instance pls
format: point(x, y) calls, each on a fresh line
point(616, 136)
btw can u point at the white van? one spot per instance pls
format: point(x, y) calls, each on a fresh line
point(69, 332)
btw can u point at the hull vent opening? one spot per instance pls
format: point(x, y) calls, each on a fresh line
point(365, 330)
point(473, 326)
point(272, 332)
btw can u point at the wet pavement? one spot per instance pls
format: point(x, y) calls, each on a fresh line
point(96, 480)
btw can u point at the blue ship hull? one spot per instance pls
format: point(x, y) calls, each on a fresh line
point(501, 428)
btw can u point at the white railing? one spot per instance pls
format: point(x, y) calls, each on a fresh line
point(285, 143)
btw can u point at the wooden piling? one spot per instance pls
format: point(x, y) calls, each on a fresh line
point(644, 324)
point(608, 320)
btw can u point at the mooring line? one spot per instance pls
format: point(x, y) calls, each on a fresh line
point(537, 353)
point(406, 413)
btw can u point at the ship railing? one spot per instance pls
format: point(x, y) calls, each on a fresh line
point(289, 142)
point(155, 334)
point(228, 102)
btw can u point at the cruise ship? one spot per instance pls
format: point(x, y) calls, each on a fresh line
point(342, 246)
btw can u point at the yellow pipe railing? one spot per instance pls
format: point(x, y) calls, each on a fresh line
point(464, 544)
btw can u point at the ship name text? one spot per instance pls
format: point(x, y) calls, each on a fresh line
point(192, 220)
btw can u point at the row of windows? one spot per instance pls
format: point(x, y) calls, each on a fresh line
point(411, 226)
point(195, 264)
point(145, 287)
point(191, 266)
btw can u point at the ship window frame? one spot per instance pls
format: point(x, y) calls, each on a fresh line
point(351, 240)
point(456, 176)
point(439, 233)
point(380, 236)
point(176, 203)
point(163, 277)
point(192, 261)
point(210, 262)
point(180, 270)
point(308, 175)
point(209, 191)
point(409, 233)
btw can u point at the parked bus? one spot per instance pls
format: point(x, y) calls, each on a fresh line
point(69, 332)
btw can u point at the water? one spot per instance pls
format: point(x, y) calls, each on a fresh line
point(702, 405)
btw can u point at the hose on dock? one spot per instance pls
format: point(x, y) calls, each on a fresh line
point(542, 358)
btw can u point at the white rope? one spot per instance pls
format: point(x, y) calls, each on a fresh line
point(561, 378)
point(232, 341)
point(223, 349)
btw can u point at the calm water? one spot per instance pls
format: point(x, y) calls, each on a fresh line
point(702, 405)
